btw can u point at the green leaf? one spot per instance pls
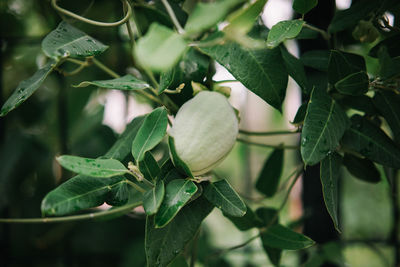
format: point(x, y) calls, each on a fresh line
point(177, 161)
point(127, 82)
point(241, 21)
point(270, 175)
point(342, 64)
point(122, 147)
point(371, 142)
point(354, 84)
point(78, 193)
point(262, 71)
point(390, 45)
point(93, 167)
point(362, 103)
point(224, 197)
point(287, 29)
point(166, 79)
point(160, 49)
point(150, 133)
point(152, 199)
point(122, 193)
point(281, 237)
point(348, 18)
point(83, 192)
point(389, 67)
point(27, 87)
point(362, 169)
point(267, 215)
point(295, 69)
point(177, 194)
point(164, 244)
point(149, 167)
point(68, 41)
point(246, 222)
point(207, 15)
point(303, 6)
point(317, 59)
point(324, 126)
point(387, 103)
point(300, 114)
point(329, 174)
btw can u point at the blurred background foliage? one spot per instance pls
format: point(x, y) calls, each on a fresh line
point(57, 120)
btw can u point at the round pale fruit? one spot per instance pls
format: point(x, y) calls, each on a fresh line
point(204, 131)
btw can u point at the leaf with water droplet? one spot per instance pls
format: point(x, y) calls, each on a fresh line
point(370, 141)
point(162, 245)
point(127, 82)
point(324, 126)
point(67, 40)
point(27, 87)
point(177, 194)
point(93, 167)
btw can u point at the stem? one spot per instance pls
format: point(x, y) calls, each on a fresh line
point(173, 17)
point(137, 187)
point(226, 81)
point(73, 217)
point(267, 133)
point(266, 145)
point(90, 21)
point(324, 34)
point(104, 68)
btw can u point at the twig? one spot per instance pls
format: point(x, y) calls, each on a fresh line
point(90, 21)
point(268, 133)
point(73, 217)
point(104, 68)
point(173, 17)
point(324, 34)
point(266, 145)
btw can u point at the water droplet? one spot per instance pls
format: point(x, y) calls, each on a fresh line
point(304, 141)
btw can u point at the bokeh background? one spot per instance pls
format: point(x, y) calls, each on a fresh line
point(61, 119)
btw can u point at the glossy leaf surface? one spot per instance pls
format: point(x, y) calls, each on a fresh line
point(151, 132)
point(317, 59)
point(324, 126)
point(224, 197)
point(152, 199)
point(78, 193)
point(27, 87)
point(295, 69)
point(262, 71)
point(354, 84)
point(342, 64)
point(149, 167)
point(362, 169)
point(177, 194)
point(281, 237)
point(127, 82)
point(93, 167)
point(370, 141)
point(329, 174)
point(68, 41)
point(283, 30)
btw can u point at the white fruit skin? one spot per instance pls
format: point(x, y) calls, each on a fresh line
point(204, 131)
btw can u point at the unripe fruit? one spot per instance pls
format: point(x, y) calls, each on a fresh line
point(204, 131)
